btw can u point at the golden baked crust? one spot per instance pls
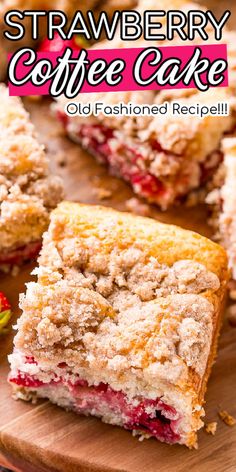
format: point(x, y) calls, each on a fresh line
point(27, 190)
point(127, 301)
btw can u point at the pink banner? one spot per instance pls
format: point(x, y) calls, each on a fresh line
point(204, 64)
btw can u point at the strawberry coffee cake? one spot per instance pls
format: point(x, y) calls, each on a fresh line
point(122, 322)
point(5, 313)
point(163, 157)
point(27, 190)
point(7, 46)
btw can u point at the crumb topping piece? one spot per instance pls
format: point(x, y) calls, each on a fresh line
point(211, 428)
point(228, 419)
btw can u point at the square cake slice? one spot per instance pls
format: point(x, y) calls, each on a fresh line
point(27, 190)
point(122, 322)
point(69, 7)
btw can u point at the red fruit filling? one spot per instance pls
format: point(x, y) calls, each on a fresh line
point(125, 165)
point(153, 417)
point(21, 254)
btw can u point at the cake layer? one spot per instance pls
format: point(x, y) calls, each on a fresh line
point(125, 302)
point(27, 190)
point(144, 416)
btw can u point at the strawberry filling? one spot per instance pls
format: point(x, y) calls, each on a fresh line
point(22, 254)
point(153, 417)
point(127, 162)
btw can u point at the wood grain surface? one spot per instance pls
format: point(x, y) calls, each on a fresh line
point(44, 438)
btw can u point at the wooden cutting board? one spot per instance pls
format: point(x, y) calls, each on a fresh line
point(44, 438)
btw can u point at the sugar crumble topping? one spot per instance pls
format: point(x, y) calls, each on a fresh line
point(27, 190)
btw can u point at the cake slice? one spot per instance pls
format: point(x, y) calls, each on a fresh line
point(223, 199)
point(27, 190)
point(122, 322)
point(163, 157)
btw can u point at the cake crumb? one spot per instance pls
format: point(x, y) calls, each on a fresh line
point(102, 193)
point(134, 205)
point(210, 428)
point(227, 418)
